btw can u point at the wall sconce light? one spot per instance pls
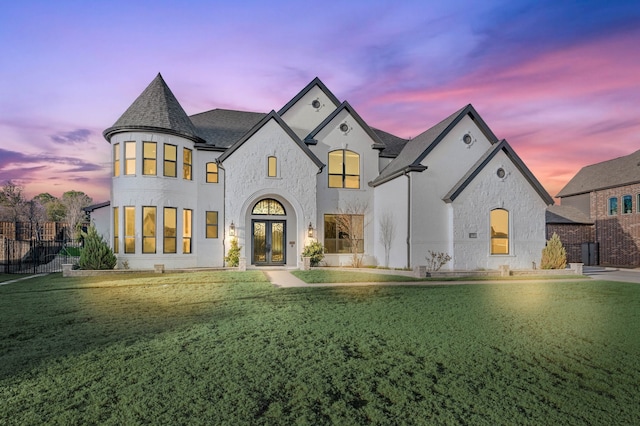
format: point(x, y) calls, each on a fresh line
point(232, 230)
point(310, 231)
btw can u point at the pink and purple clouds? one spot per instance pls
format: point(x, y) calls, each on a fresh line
point(558, 80)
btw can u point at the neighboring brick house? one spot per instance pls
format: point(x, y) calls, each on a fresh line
point(608, 194)
point(575, 229)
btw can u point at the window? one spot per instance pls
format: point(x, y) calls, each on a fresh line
point(129, 158)
point(272, 166)
point(344, 169)
point(212, 173)
point(148, 229)
point(186, 231)
point(186, 163)
point(170, 160)
point(212, 225)
point(116, 159)
point(342, 232)
point(149, 155)
point(116, 230)
point(627, 204)
point(499, 219)
point(269, 207)
point(129, 229)
point(613, 206)
point(637, 203)
point(170, 225)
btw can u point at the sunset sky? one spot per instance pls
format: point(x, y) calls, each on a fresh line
point(560, 80)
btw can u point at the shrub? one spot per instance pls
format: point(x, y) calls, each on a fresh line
point(554, 256)
point(233, 255)
point(436, 260)
point(96, 253)
point(315, 251)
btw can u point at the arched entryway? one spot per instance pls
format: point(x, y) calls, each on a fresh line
point(268, 233)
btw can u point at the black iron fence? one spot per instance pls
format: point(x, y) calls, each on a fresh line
point(36, 257)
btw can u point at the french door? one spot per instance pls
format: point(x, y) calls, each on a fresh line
point(268, 242)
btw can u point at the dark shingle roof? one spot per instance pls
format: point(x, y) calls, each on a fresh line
point(566, 215)
point(393, 144)
point(155, 109)
point(608, 174)
point(222, 127)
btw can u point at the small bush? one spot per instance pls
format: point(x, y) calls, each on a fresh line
point(554, 256)
point(96, 253)
point(436, 260)
point(315, 251)
point(233, 255)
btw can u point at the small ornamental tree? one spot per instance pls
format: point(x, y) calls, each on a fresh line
point(96, 254)
point(554, 256)
point(315, 251)
point(233, 255)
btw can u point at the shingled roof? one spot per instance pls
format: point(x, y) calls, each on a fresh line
point(156, 109)
point(608, 174)
point(566, 215)
point(392, 143)
point(221, 128)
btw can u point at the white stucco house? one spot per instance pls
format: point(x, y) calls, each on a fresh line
point(184, 186)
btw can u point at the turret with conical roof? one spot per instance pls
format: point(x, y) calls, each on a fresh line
point(157, 110)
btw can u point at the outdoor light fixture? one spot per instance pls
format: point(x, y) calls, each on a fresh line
point(310, 230)
point(232, 230)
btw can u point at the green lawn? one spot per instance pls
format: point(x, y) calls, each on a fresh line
point(229, 348)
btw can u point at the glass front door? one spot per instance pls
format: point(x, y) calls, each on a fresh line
point(268, 242)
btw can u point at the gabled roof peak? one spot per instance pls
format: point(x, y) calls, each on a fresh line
point(315, 82)
point(156, 109)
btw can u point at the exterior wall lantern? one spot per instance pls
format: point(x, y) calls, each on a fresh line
point(232, 230)
point(310, 230)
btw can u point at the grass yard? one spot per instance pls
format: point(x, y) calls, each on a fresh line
point(229, 348)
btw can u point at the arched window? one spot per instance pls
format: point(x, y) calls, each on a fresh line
point(499, 231)
point(212, 173)
point(627, 206)
point(344, 169)
point(613, 206)
point(268, 207)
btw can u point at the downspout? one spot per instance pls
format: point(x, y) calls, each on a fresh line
point(408, 219)
point(224, 211)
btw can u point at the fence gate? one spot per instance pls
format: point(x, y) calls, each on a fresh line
point(36, 257)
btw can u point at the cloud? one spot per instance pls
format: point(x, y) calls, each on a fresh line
point(74, 136)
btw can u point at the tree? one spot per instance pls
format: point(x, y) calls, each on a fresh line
point(96, 253)
point(233, 255)
point(13, 201)
point(37, 216)
point(55, 210)
point(554, 255)
point(387, 233)
point(74, 202)
point(350, 222)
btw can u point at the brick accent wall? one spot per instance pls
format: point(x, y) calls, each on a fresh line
point(572, 237)
point(619, 234)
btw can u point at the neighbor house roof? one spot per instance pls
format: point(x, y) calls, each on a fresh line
point(608, 174)
point(222, 128)
point(416, 149)
point(272, 116)
point(156, 109)
point(485, 159)
point(568, 215)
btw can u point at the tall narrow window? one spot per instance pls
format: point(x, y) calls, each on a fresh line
point(149, 156)
point(344, 169)
point(129, 229)
point(170, 160)
point(170, 225)
point(212, 173)
point(499, 219)
point(186, 231)
point(272, 166)
point(627, 206)
point(116, 230)
point(613, 206)
point(129, 158)
point(344, 233)
point(148, 229)
point(212, 225)
point(186, 163)
point(116, 159)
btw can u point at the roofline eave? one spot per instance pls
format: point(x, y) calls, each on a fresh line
point(108, 133)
